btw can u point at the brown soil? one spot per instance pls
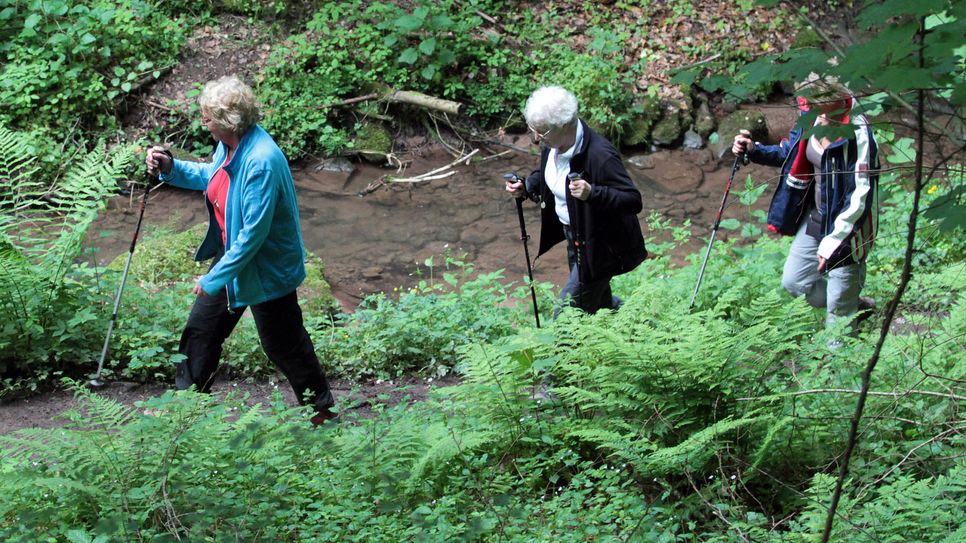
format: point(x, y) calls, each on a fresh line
point(352, 399)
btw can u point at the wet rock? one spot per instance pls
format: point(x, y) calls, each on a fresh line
point(704, 123)
point(448, 234)
point(753, 121)
point(478, 235)
point(701, 157)
point(641, 162)
point(680, 182)
point(693, 140)
point(674, 176)
point(638, 130)
point(373, 142)
point(336, 164)
point(372, 273)
point(668, 130)
point(693, 209)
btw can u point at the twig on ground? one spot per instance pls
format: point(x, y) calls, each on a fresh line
point(438, 173)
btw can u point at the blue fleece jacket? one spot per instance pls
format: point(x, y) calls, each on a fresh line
point(264, 256)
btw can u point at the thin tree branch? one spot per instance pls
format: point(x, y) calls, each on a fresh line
point(891, 308)
point(870, 393)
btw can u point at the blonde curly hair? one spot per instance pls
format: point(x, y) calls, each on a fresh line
point(229, 103)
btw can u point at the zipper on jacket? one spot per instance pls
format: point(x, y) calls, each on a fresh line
point(228, 286)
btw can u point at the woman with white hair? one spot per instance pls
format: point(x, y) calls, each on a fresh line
point(586, 197)
point(256, 243)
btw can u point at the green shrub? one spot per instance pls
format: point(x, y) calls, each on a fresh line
point(51, 310)
point(68, 62)
point(424, 328)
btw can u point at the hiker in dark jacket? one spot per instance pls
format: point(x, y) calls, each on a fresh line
point(594, 210)
point(826, 199)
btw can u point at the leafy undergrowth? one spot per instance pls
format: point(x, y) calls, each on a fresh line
point(723, 424)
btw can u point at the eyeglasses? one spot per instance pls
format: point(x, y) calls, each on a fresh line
point(537, 135)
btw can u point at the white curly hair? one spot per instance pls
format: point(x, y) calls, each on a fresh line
point(229, 103)
point(551, 107)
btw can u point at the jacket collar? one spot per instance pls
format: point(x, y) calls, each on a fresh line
point(244, 144)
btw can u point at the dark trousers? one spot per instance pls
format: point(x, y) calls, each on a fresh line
point(590, 296)
point(281, 332)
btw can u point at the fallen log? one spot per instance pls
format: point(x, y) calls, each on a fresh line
point(423, 100)
point(401, 97)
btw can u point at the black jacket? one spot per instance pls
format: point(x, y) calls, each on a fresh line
point(613, 242)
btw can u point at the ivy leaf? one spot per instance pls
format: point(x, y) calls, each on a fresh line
point(31, 21)
point(409, 56)
point(390, 40)
point(730, 224)
point(902, 151)
point(408, 23)
point(950, 210)
point(445, 57)
point(428, 72)
point(126, 86)
point(427, 46)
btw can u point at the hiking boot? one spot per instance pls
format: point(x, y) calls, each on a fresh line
point(865, 309)
point(325, 416)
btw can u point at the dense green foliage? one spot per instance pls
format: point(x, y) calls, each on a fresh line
point(423, 328)
point(49, 308)
point(66, 63)
point(352, 48)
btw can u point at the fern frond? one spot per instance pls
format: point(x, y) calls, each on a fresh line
point(19, 185)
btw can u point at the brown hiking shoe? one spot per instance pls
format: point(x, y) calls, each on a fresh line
point(327, 415)
point(866, 307)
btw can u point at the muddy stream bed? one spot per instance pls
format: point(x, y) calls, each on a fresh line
point(375, 242)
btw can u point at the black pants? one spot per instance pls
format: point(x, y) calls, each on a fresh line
point(281, 332)
point(590, 296)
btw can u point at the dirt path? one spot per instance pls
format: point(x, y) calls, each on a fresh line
point(352, 399)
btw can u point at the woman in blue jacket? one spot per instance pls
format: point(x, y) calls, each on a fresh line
point(826, 199)
point(256, 243)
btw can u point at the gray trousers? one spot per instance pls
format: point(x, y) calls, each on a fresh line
point(837, 290)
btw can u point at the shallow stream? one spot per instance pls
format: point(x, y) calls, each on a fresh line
point(374, 243)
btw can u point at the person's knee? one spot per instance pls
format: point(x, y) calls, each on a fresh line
point(793, 287)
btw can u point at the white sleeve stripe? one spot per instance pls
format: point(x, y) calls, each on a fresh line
point(846, 219)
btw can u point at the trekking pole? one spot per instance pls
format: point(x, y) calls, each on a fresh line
point(526, 250)
point(739, 160)
point(95, 381)
point(578, 245)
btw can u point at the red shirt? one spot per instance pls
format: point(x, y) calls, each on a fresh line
point(218, 196)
